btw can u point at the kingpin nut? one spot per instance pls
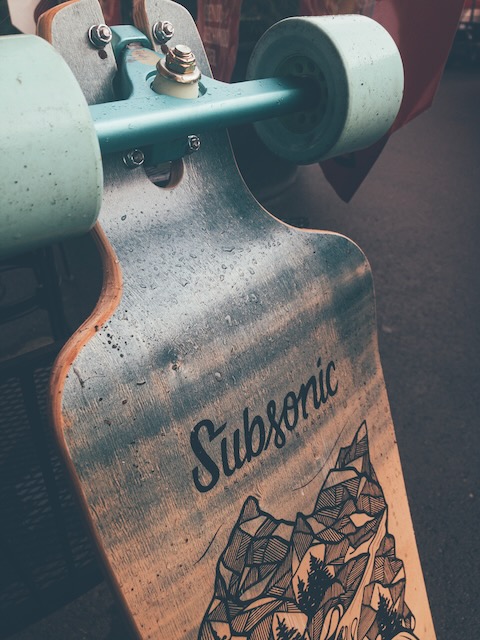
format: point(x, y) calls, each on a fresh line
point(179, 64)
point(100, 35)
point(181, 60)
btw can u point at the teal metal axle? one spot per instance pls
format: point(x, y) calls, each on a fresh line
point(145, 118)
point(152, 119)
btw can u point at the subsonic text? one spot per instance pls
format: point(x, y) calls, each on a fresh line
point(258, 432)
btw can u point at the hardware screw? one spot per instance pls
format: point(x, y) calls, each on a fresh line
point(134, 158)
point(162, 31)
point(193, 144)
point(100, 35)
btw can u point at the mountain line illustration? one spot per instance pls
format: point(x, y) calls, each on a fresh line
point(329, 575)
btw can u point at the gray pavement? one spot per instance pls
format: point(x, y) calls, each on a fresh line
point(417, 219)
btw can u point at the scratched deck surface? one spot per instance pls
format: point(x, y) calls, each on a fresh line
point(223, 413)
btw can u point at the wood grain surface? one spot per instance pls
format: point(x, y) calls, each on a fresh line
point(224, 414)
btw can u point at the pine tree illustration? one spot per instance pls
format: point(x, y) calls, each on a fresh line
point(288, 633)
point(318, 581)
point(389, 621)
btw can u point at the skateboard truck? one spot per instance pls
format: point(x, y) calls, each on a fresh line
point(315, 90)
point(150, 112)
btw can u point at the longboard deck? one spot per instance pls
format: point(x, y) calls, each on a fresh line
point(223, 412)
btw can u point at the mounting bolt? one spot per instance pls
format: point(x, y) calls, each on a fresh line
point(193, 144)
point(134, 158)
point(162, 31)
point(100, 35)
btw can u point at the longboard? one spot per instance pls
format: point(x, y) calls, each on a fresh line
point(223, 412)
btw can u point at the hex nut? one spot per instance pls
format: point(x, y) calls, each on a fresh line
point(134, 158)
point(163, 31)
point(193, 143)
point(100, 35)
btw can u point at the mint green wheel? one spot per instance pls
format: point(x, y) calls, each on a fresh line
point(359, 72)
point(51, 177)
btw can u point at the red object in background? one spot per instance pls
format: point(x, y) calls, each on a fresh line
point(333, 7)
point(111, 10)
point(423, 31)
point(218, 24)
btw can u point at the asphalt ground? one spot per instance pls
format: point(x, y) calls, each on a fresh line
point(417, 219)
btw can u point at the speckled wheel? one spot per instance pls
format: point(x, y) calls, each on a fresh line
point(51, 175)
point(359, 70)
